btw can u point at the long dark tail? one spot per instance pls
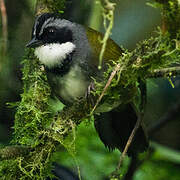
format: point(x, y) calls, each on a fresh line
point(115, 127)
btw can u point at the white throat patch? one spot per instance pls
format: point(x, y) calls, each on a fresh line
point(53, 54)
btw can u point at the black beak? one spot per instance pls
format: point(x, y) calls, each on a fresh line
point(34, 43)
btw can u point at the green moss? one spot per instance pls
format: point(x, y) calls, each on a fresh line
point(31, 120)
point(170, 15)
point(33, 113)
point(55, 6)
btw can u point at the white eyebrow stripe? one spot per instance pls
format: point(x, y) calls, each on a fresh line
point(35, 27)
point(45, 24)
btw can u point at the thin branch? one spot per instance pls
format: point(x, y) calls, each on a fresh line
point(117, 68)
point(165, 72)
point(4, 27)
point(137, 125)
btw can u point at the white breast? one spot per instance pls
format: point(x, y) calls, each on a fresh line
point(53, 54)
point(72, 85)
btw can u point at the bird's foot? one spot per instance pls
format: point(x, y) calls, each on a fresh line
point(88, 95)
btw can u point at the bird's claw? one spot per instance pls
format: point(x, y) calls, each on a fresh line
point(88, 95)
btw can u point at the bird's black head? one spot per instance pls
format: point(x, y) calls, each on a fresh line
point(49, 28)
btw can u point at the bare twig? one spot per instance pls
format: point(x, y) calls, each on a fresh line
point(165, 72)
point(137, 125)
point(117, 68)
point(4, 27)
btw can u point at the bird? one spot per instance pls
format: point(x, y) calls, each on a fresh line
point(70, 55)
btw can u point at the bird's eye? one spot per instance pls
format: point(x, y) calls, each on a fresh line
point(51, 31)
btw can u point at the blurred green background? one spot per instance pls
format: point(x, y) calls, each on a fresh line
point(134, 21)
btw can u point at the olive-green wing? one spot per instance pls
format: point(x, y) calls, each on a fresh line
point(112, 52)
